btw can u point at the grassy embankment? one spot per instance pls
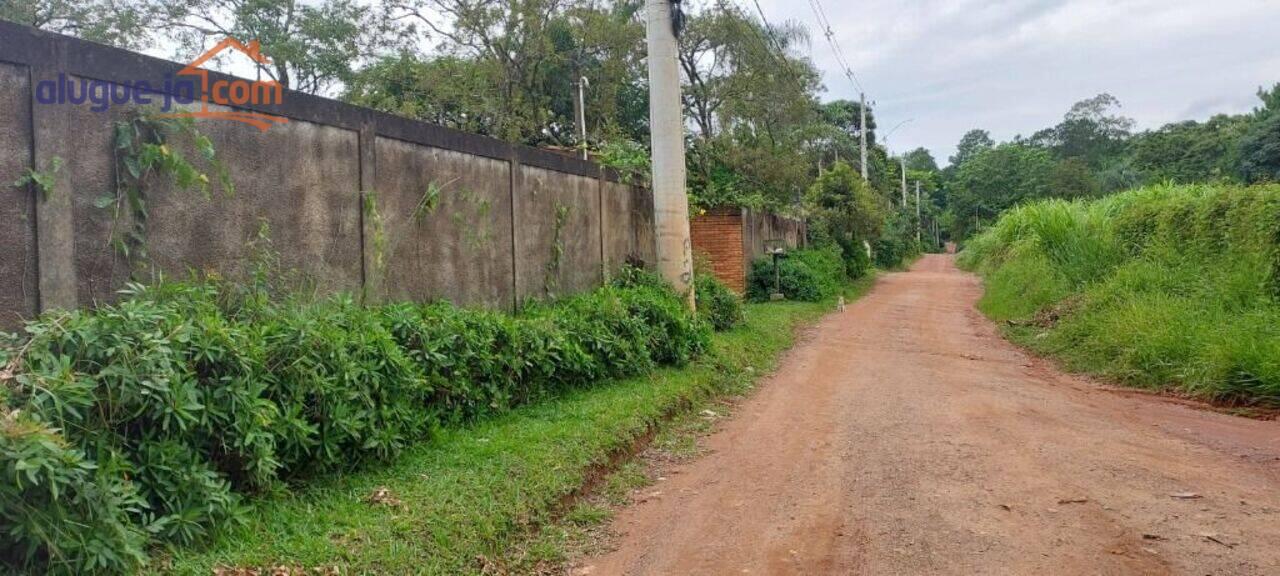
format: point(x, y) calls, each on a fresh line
point(467, 500)
point(1170, 287)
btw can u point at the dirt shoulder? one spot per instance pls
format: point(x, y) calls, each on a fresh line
point(906, 437)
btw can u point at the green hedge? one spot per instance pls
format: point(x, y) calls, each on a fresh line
point(147, 421)
point(717, 304)
point(1163, 287)
point(806, 275)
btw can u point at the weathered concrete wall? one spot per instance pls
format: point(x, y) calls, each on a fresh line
point(627, 225)
point(760, 227)
point(337, 189)
point(17, 213)
point(306, 201)
point(446, 217)
point(558, 234)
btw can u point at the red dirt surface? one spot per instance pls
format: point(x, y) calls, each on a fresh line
point(904, 436)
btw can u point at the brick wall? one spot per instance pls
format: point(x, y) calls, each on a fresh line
point(717, 235)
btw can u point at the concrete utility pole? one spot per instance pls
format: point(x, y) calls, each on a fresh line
point(917, 211)
point(903, 160)
point(862, 131)
point(666, 126)
point(580, 113)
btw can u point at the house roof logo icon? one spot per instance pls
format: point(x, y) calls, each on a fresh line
point(234, 92)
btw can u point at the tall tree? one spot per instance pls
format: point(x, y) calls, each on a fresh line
point(1091, 130)
point(920, 159)
point(122, 23)
point(997, 179)
point(314, 46)
point(971, 144)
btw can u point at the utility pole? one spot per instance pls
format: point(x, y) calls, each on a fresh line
point(903, 160)
point(666, 127)
point(917, 211)
point(862, 131)
point(580, 113)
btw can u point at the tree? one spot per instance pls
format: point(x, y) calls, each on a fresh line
point(122, 23)
point(847, 206)
point(1260, 145)
point(997, 179)
point(1089, 131)
point(920, 159)
point(844, 210)
point(1072, 178)
point(971, 144)
point(1190, 151)
point(524, 59)
point(1260, 151)
point(313, 46)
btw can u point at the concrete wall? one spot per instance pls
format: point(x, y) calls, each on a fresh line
point(17, 214)
point(447, 222)
point(759, 227)
point(354, 200)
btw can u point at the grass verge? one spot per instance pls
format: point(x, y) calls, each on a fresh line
point(1171, 288)
point(458, 504)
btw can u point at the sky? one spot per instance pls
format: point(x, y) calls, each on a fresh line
point(1015, 66)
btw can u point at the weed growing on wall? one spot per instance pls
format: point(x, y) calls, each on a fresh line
point(43, 181)
point(146, 147)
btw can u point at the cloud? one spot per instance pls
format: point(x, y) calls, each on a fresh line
point(1015, 66)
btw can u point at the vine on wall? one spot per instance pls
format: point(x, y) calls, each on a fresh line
point(144, 150)
point(557, 250)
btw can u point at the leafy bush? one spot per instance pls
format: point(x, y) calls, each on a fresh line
point(857, 263)
point(345, 390)
point(805, 275)
point(1160, 287)
point(896, 245)
point(150, 418)
point(717, 304)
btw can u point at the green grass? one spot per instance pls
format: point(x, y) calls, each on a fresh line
point(1167, 287)
point(471, 495)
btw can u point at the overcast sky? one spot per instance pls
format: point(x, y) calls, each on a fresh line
point(1015, 66)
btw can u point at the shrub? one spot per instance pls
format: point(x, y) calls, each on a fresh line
point(146, 382)
point(896, 245)
point(804, 275)
point(150, 418)
point(345, 390)
point(1164, 286)
point(857, 263)
point(673, 335)
point(717, 304)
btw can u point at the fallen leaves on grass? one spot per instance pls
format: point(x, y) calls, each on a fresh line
point(382, 496)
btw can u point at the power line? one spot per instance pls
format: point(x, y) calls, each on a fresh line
point(769, 40)
point(829, 34)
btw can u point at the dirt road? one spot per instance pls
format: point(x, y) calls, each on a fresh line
point(904, 436)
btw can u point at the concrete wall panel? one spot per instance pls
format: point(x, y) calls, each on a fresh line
point(558, 249)
point(298, 182)
point(627, 225)
point(446, 218)
point(491, 238)
point(18, 283)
